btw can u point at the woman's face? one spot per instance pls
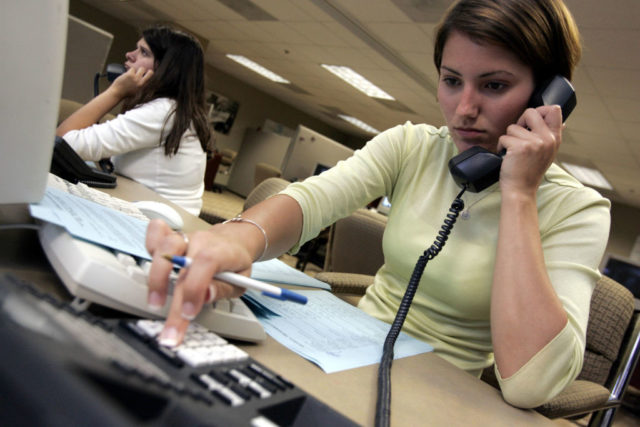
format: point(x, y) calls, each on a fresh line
point(141, 57)
point(482, 89)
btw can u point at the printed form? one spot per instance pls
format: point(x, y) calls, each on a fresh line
point(329, 331)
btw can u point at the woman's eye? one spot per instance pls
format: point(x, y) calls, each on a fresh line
point(451, 81)
point(496, 86)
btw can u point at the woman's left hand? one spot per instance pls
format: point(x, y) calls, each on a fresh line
point(129, 83)
point(532, 144)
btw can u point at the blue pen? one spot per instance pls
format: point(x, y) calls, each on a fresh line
point(245, 282)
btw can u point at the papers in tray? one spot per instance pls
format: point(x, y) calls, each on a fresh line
point(93, 222)
point(328, 331)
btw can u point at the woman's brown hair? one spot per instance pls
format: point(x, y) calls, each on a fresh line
point(541, 33)
point(179, 75)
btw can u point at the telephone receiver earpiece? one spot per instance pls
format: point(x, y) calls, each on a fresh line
point(477, 168)
point(111, 72)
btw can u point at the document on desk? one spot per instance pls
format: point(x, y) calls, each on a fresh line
point(328, 331)
point(93, 222)
point(277, 272)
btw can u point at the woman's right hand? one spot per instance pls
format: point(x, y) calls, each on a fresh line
point(231, 246)
point(211, 251)
point(128, 83)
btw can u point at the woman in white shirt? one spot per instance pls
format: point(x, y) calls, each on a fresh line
point(160, 137)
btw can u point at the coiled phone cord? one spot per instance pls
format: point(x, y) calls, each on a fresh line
point(383, 407)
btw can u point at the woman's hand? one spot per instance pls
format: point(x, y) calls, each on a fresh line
point(224, 247)
point(211, 252)
point(128, 83)
point(532, 144)
point(125, 85)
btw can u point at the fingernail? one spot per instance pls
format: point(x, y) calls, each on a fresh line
point(169, 337)
point(188, 311)
point(155, 301)
point(210, 295)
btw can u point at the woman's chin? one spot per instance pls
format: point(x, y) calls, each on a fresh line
point(465, 145)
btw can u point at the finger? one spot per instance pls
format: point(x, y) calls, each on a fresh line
point(199, 279)
point(157, 230)
point(175, 326)
point(147, 75)
point(161, 268)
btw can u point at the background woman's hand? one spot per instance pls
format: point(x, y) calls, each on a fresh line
point(128, 83)
point(532, 144)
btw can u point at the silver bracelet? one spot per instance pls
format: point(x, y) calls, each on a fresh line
point(249, 221)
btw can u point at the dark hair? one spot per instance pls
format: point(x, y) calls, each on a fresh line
point(541, 33)
point(179, 75)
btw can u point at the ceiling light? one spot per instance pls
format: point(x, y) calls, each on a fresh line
point(258, 68)
point(357, 81)
point(588, 176)
point(359, 123)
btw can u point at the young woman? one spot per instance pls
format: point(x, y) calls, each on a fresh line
point(512, 286)
point(161, 135)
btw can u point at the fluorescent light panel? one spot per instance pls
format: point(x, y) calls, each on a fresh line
point(357, 81)
point(359, 123)
point(253, 66)
point(588, 176)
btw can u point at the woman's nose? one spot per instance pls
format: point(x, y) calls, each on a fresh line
point(468, 104)
point(129, 56)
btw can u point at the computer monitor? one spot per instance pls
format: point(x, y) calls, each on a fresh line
point(33, 38)
point(624, 271)
point(309, 148)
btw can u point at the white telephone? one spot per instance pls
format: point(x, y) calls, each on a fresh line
point(98, 275)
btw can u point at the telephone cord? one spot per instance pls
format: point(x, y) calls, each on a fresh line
point(383, 407)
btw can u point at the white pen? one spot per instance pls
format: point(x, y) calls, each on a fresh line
point(245, 282)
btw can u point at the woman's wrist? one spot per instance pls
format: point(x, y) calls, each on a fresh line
point(248, 233)
point(239, 219)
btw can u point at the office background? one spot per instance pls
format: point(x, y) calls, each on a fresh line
point(603, 132)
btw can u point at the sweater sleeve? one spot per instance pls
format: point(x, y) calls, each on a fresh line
point(573, 244)
point(140, 127)
point(351, 184)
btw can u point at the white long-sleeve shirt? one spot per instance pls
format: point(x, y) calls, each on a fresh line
point(133, 140)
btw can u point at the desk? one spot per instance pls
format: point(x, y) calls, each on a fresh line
point(426, 390)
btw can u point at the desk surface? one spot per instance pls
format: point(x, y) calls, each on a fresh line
point(426, 390)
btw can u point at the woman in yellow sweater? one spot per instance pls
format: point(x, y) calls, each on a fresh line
point(513, 283)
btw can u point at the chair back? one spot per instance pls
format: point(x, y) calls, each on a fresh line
point(264, 190)
point(611, 310)
point(355, 243)
point(264, 171)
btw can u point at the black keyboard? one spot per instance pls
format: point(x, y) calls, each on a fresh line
point(63, 367)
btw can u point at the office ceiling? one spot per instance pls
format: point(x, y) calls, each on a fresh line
point(389, 42)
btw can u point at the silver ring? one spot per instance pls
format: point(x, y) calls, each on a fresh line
point(184, 237)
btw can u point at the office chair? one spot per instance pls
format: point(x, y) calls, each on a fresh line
point(612, 351)
point(264, 171)
point(68, 107)
point(354, 252)
point(228, 156)
point(264, 190)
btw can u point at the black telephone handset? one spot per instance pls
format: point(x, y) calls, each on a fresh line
point(67, 164)
point(478, 168)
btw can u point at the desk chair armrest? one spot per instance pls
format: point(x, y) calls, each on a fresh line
point(579, 398)
point(346, 282)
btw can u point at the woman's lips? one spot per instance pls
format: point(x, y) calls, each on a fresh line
point(469, 133)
